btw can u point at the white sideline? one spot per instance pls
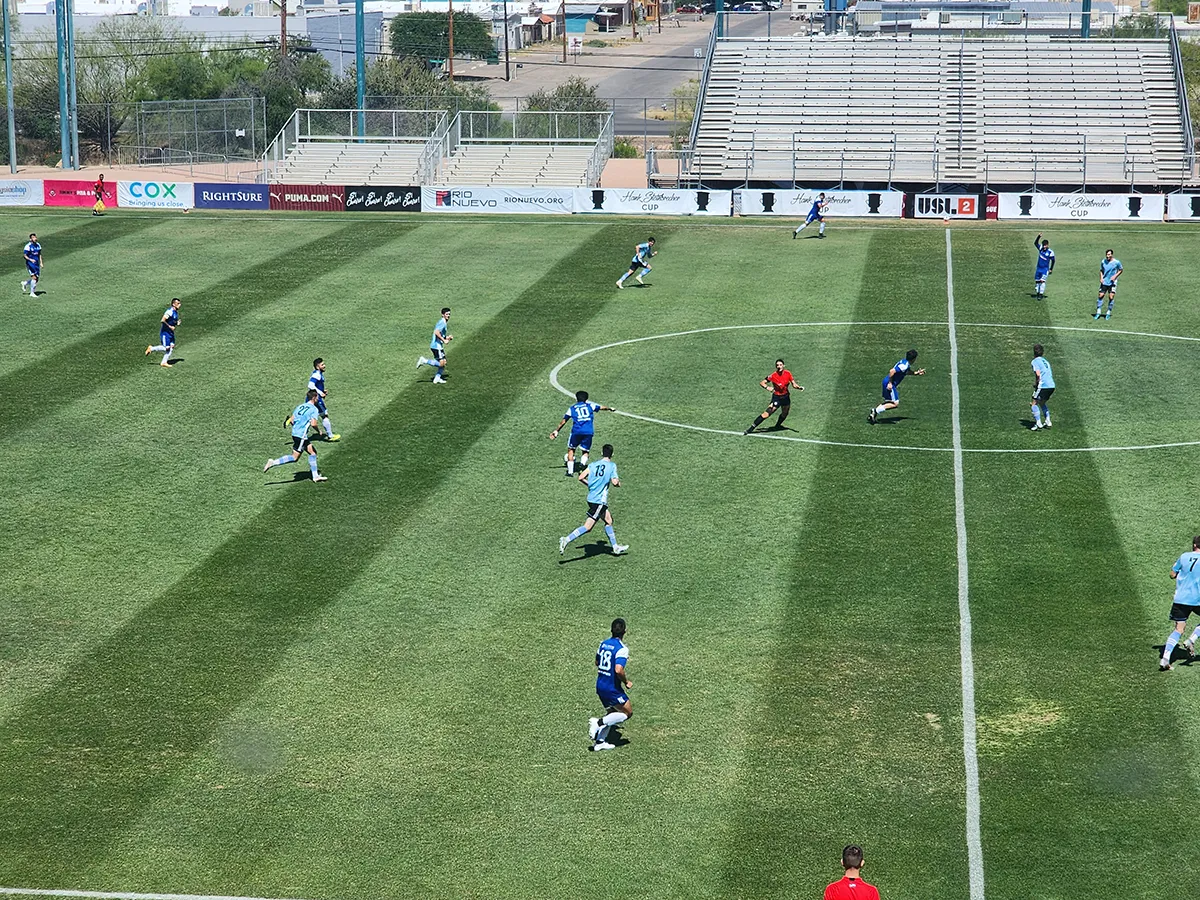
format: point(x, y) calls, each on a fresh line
point(970, 736)
point(116, 895)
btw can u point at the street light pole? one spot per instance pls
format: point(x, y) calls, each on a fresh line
point(8, 91)
point(360, 65)
point(283, 31)
point(564, 29)
point(450, 57)
point(507, 70)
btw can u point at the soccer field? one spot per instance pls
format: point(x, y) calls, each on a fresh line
point(220, 682)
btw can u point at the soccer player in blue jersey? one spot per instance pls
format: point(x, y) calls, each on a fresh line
point(1185, 603)
point(1043, 387)
point(891, 385)
point(437, 347)
point(641, 260)
point(598, 477)
point(316, 382)
point(816, 213)
point(611, 681)
point(166, 333)
point(582, 416)
point(33, 265)
point(1045, 265)
point(303, 417)
point(1110, 271)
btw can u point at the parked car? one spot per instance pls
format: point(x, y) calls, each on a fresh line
point(748, 8)
point(687, 9)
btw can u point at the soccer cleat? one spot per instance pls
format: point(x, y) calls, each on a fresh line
point(438, 379)
point(1097, 315)
point(320, 478)
point(795, 234)
point(165, 364)
point(267, 466)
point(334, 437)
point(620, 285)
point(1048, 423)
point(1190, 648)
point(871, 416)
point(24, 290)
point(149, 349)
point(1108, 315)
point(748, 430)
point(562, 545)
point(639, 280)
point(618, 549)
point(602, 745)
point(593, 728)
point(1164, 666)
point(1035, 426)
point(420, 362)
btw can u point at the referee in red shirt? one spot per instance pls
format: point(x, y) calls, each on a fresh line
point(851, 886)
point(779, 384)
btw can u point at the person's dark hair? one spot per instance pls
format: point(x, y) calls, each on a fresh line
point(311, 395)
point(650, 240)
point(822, 194)
point(1109, 250)
point(176, 300)
point(852, 856)
point(779, 360)
point(445, 309)
point(33, 237)
point(618, 628)
point(1045, 243)
point(1196, 542)
point(581, 396)
point(317, 362)
point(606, 450)
point(1038, 350)
point(910, 355)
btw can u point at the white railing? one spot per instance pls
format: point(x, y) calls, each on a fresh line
point(1189, 138)
point(168, 160)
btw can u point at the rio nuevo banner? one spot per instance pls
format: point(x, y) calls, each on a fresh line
point(1180, 207)
point(497, 200)
point(654, 202)
point(155, 194)
point(367, 198)
point(324, 197)
point(796, 204)
point(1084, 207)
point(944, 206)
point(14, 192)
point(60, 192)
point(231, 196)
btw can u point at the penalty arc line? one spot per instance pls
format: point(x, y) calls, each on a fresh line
point(970, 732)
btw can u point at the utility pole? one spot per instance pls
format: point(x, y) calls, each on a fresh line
point(507, 71)
point(564, 29)
point(450, 57)
point(283, 31)
point(8, 91)
point(360, 65)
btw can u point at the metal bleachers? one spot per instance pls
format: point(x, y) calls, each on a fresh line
point(339, 162)
point(548, 165)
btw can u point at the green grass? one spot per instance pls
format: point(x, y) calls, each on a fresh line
point(218, 682)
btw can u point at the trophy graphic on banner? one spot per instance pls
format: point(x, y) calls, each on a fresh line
point(1135, 207)
point(873, 201)
point(1026, 202)
point(701, 201)
point(768, 201)
point(597, 200)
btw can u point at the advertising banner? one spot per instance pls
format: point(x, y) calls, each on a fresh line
point(498, 200)
point(944, 206)
point(321, 197)
point(77, 193)
point(1179, 207)
point(884, 204)
point(15, 192)
point(155, 194)
point(654, 202)
point(1084, 207)
point(372, 198)
point(232, 196)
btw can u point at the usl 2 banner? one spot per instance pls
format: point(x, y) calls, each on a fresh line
point(796, 204)
point(155, 194)
point(15, 192)
point(59, 192)
point(943, 206)
point(232, 196)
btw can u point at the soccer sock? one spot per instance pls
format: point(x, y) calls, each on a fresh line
point(1099, 303)
point(880, 408)
point(759, 421)
point(312, 463)
point(613, 718)
point(1172, 640)
point(583, 459)
point(1037, 413)
point(570, 467)
point(801, 228)
point(1045, 411)
point(576, 533)
point(328, 427)
point(622, 278)
point(1110, 305)
point(612, 535)
point(441, 371)
point(167, 355)
point(821, 229)
point(779, 422)
point(1195, 635)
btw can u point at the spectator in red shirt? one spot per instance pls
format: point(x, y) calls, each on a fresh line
point(778, 383)
point(851, 886)
point(98, 206)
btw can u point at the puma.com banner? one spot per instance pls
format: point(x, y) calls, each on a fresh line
point(497, 200)
point(1084, 207)
point(654, 202)
point(864, 204)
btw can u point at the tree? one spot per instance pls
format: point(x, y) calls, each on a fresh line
point(405, 84)
point(426, 35)
point(573, 95)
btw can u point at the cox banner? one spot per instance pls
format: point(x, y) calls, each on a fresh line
point(1179, 206)
point(1084, 207)
point(654, 202)
point(795, 204)
point(155, 194)
point(383, 199)
point(944, 206)
point(232, 196)
point(22, 193)
point(308, 197)
point(498, 200)
point(77, 193)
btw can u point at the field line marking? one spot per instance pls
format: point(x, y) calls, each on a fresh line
point(970, 735)
point(116, 895)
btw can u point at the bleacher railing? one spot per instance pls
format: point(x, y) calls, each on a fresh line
point(703, 90)
point(211, 166)
point(490, 126)
point(1189, 137)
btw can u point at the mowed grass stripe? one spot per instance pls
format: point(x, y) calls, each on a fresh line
point(857, 738)
point(80, 761)
point(1078, 746)
point(56, 245)
point(80, 369)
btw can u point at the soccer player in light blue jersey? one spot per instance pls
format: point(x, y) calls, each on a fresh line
point(316, 382)
point(816, 213)
point(641, 260)
point(611, 682)
point(1045, 266)
point(166, 333)
point(891, 385)
point(33, 265)
point(598, 477)
point(582, 416)
point(1185, 603)
point(303, 418)
point(437, 346)
point(1110, 271)
point(1043, 387)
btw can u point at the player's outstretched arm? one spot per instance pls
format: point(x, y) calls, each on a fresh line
point(919, 372)
point(561, 426)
